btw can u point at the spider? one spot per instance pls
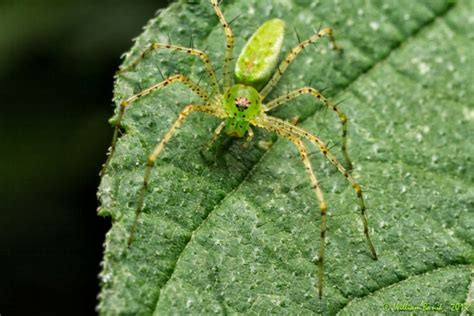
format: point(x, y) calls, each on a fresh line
point(241, 105)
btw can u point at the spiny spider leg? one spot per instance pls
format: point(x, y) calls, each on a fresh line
point(322, 206)
point(317, 94)
point(190, 51)
point(292, 55)
point(229, 44)
point(296, 140)
point(249, 137)
point(281, 127)
point(215, 135)
point(124, 104)
point(152, 157)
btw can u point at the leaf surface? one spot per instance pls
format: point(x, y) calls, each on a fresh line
point(240, 234)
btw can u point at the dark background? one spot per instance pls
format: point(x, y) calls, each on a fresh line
point(57, 60)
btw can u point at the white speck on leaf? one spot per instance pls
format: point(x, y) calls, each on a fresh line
point(374, 25)
point(251, 11)
point(468, 114)
point(423, 68)
point(189, 303)
point(107, 277)
point(419, 137)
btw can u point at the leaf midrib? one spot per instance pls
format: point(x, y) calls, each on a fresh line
point(371, 68)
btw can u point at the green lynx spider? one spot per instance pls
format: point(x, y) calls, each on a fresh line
point(240, 106)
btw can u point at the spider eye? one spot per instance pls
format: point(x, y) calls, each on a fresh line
point(242, 103)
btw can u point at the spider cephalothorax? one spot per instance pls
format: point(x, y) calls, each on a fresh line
point(241, 105)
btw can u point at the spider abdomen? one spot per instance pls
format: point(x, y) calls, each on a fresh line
point(259, 57)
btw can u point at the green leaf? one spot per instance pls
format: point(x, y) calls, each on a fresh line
point(240, 234)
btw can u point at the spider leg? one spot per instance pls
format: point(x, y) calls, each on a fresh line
point(127, 102)
point(216, 134)
point(322, 206)
point(330, 105)
point(157, 150)
point(296, 140)
point(229, 43)
point(249, 137)
point(284, 128)
point(292, 55)
point(190, 51)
